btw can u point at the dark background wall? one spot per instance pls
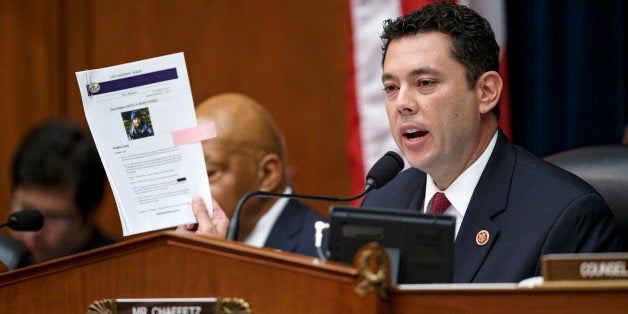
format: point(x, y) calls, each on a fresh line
point(567, 73)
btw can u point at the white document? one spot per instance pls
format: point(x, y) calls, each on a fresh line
point(153, 180)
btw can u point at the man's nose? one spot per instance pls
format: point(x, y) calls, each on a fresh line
point(406, 101)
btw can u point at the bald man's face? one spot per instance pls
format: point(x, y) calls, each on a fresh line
point(232, 173)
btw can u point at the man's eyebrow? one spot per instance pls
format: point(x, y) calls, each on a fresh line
point(424, 70)
point(413, 73)
point(388, 76)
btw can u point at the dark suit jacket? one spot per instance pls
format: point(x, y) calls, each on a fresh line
point(529, 208)
point(294, 230)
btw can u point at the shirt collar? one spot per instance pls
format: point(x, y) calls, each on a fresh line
point(265, 224)
point(460, 191)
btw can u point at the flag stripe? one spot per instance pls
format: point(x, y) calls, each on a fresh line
point(408, 6)
point(371, 127)
point(354, 146)
point(494, 11)
point(505, 119)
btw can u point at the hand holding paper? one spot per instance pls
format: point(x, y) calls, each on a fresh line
point(215, 226)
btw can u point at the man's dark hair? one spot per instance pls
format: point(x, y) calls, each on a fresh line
point(473, 42)
point(61, 154)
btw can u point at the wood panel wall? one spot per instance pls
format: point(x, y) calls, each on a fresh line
point(289, 55)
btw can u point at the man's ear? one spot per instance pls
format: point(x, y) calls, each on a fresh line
point(270, 172)
point(489, 88)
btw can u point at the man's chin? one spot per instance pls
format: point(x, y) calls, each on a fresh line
point(419, 162)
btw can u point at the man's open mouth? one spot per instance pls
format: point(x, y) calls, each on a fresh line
point(412, 134)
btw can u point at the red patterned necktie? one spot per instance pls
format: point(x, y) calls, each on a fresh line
point(440, 203)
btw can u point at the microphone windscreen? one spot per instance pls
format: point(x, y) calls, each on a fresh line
point(386, 168)
point(26, 220)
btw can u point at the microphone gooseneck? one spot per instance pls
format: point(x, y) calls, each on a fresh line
point(386, 168)
point(25, 220)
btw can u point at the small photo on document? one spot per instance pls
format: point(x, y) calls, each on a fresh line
point(137, 123)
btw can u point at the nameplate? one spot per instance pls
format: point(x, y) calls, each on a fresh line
point(584, 266)
point(170, 306)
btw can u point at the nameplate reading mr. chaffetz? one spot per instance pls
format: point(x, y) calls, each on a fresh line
point(171, 306)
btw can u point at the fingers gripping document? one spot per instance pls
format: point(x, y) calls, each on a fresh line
point(141, 115)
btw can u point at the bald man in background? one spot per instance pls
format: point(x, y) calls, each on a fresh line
point(249, 155)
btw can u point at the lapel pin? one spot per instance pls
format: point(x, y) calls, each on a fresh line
point(482, 237)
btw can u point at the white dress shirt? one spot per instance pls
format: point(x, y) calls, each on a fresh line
point(460, 191)
point(265, 224)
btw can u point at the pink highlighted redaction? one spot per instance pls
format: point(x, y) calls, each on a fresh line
point(194, 134)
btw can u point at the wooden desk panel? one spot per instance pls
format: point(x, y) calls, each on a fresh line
point(170, 265)
point(578, 298)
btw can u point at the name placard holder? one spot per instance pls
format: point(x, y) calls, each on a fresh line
point(584, 267)
point(170, 305)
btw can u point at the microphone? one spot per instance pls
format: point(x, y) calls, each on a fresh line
point(25, 220)
point(386, 168)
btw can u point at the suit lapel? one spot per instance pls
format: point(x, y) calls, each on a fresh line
point(416, 203)
point(489, 198)
point(283, 234)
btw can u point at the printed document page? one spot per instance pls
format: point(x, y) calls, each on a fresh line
point(132, 111)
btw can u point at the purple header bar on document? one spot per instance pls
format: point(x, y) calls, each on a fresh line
point(134, 81)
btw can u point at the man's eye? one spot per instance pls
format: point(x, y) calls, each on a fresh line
point(390, 88)
point(425, 83)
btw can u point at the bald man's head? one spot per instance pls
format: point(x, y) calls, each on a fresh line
point(242, 122)
point(247, 155)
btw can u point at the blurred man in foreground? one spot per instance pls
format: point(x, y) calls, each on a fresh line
point(57, 171)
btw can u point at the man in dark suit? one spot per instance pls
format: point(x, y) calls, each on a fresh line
point(442, 84)
point(248, 155)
